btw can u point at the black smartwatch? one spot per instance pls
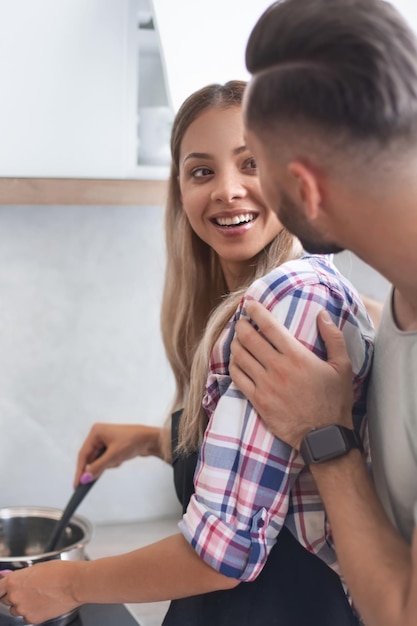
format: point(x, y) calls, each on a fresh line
point(329, 442)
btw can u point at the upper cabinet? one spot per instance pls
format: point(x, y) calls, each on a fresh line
point(69, 76)
point(90, 87)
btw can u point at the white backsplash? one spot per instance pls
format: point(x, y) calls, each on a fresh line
point(80, 294)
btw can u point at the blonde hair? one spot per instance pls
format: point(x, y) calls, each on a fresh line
point(196, 305)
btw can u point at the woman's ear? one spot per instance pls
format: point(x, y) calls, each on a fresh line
point(305, 184)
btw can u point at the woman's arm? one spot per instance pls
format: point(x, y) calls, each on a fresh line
point(164, 570)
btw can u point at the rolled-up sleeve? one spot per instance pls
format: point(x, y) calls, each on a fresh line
point(242, 486)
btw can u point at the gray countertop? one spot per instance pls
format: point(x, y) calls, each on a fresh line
point(110, 540)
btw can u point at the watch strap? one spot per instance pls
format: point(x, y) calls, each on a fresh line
point(353, 438)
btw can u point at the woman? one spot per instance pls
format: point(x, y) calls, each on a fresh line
point(221, 239)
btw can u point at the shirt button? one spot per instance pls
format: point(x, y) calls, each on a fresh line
point(260, 523)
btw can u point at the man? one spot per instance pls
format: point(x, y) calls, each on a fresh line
point(331, 118)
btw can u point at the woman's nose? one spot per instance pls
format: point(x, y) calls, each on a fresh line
point(228, 186)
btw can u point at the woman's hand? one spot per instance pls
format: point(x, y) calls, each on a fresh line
point(121, 442)
point(291, 388)
point(47, 588)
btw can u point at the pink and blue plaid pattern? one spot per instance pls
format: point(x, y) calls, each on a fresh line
point(248, 483)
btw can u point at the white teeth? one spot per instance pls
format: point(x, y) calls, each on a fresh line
point(234, 221)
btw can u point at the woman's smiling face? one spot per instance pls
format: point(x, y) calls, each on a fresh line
point(220, 190)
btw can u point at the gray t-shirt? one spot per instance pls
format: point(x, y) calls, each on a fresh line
point(392, 412)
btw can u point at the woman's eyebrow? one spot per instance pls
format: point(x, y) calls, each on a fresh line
point(206, 155)
point(198, 155)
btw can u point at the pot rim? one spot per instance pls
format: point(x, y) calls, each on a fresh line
point(11, 512)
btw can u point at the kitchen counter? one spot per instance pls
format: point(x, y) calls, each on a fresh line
point(110, 540)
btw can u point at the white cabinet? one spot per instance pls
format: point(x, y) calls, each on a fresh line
point(70, 79)
point(89, 86)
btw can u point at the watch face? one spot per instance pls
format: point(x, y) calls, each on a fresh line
point(326, 443)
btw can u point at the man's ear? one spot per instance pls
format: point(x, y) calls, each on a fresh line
point(306, 187)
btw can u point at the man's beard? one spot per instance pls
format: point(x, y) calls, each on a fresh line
point(292, 218)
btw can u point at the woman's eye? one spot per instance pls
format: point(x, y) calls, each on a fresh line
point(250, 164)
point(201, 172)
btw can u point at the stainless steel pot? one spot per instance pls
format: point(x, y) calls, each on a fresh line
point(24, 533)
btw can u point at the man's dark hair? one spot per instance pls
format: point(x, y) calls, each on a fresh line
point(341, 65)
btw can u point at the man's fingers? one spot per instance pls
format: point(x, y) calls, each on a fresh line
point(285, 343)
point(241, 380)
point(272, 329)
point(247, 346)
point(334, 341)
point(243, 359)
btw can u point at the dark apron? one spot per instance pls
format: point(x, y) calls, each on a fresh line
point(295, 588)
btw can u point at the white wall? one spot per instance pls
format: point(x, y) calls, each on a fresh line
point(408, 9)
point(204, 43)
point(80, 291)
point(369, 282)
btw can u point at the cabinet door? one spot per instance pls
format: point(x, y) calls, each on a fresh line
point(69, 75)
point(204, 42)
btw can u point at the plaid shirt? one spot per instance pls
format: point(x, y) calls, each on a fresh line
point(248, 483)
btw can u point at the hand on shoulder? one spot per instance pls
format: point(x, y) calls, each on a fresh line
point(291, 388)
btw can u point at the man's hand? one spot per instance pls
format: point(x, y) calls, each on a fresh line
point(291, 388)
